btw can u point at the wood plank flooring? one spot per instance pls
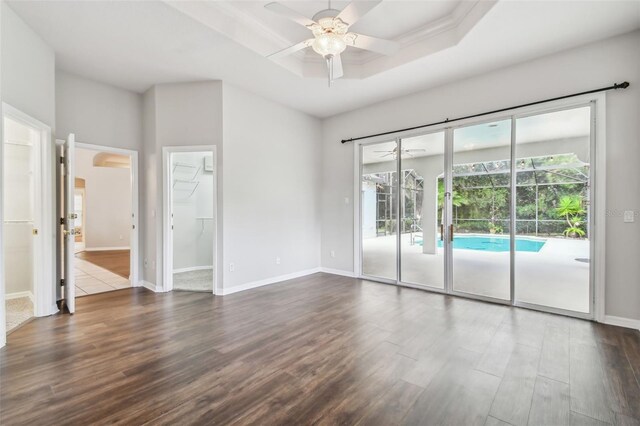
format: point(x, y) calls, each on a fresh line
point(116, 261)
point(323, 350)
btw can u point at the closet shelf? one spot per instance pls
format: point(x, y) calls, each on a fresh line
point(202, 219)
point(186, 185)
point(186, 169)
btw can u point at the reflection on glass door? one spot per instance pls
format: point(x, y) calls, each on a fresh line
point(421, 205)
point(480, 210)
point(552, 209)
point(378, 204)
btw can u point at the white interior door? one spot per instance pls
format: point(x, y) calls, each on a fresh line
point(69, 223)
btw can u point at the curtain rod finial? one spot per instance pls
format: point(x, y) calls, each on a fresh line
point(623, 85)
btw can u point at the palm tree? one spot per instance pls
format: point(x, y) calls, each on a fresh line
point(570, 208)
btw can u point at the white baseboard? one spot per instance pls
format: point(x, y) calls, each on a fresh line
point(268, 281)
point(149, 286)
point(105, 248)
point(18, 295)
point(192, 268)
point(622, 322)
point(349, 274)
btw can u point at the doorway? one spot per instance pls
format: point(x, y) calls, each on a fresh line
point(190, 218)
point(104, 203)
point(499, 210)
point(108, 192)
point(26, 284)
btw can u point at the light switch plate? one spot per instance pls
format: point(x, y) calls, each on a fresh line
point(629, 216)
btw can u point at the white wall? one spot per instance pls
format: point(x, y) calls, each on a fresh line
point(584, 68)
point(148, 189)
point(28, 69)
point(271, 189)
point(97, 113)
point(27, 74)
point(107, 203)
point(181, 114)
point(192, 233)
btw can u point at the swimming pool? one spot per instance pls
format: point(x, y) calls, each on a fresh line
point(494, 243)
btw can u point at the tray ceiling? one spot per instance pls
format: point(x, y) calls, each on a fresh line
point(421, 28)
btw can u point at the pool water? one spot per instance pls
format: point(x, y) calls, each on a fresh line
point(498, 244)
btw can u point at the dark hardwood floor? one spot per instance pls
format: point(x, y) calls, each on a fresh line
point(116, 261)
point(322, 349)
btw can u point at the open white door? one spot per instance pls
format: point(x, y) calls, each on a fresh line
point(69, 217)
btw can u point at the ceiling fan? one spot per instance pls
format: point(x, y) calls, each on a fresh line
point(330, 33)
point(394, 152)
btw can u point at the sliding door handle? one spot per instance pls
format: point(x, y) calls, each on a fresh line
point(451, 232)
point(441, 232)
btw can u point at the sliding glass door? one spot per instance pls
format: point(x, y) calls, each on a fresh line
point(553, 210)
point(498, 210)
point(480, 205)
point(378, 207)
point(422, 207)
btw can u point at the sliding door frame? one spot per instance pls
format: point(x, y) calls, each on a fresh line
point(596, 230)
point(596, 211)
point(358, 212)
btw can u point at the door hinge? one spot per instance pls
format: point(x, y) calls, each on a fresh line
point(62, 282)
point(62, 221)
point(61, 160)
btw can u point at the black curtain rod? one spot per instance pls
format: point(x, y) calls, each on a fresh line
point(616, 86)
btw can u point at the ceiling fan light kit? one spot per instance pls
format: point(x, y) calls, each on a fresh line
point(330, 34)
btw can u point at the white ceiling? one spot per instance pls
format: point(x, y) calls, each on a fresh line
point(140, 43)
point(419, 28)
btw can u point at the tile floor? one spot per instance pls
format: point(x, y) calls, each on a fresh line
point(92, 279)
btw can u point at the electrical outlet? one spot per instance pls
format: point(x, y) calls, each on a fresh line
point(277, 260)
point(629, 216)
point(232, 267)
point(333, 253)
point(121, 237)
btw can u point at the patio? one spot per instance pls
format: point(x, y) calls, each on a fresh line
point(556, 276)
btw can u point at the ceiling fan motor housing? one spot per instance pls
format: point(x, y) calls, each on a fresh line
point(326, 13)
point(329, 33)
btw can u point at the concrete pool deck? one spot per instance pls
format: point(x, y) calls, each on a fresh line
point(551, 277)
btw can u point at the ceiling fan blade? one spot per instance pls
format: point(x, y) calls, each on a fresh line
point(356, 10)
point(291, 49)
point(290, 14)
point(373, 44)
point(336, 63)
